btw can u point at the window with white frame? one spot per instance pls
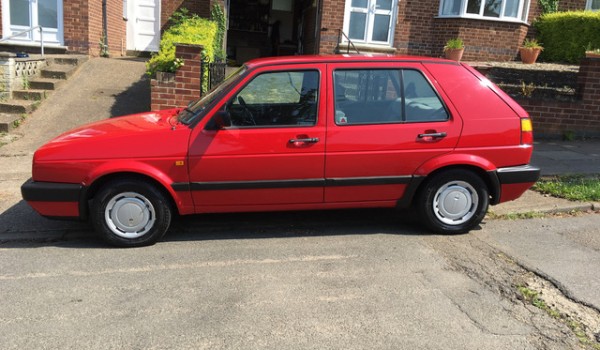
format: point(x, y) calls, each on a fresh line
point(370, 21)
point(593, 5)
point(502, 10)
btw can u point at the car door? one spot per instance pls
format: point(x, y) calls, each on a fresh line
point(272, 152)
point(386, 119)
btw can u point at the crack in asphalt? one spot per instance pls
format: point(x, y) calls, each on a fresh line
point(499, 273)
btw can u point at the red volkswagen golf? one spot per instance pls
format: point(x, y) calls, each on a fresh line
point(297, 133)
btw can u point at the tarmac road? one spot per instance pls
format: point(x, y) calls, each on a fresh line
point(331, 285)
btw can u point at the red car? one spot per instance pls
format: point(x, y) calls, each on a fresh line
point(297, 133)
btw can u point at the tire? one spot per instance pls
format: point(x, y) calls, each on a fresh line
point(130, 213)
point(454, 201)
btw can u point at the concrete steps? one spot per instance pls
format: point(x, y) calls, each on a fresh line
point(59, 69)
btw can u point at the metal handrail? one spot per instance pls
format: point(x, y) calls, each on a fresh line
point(340, 34)
point(26, 31)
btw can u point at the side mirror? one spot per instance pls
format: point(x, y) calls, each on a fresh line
point(221, 120)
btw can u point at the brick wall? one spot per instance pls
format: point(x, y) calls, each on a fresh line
point(582, 117)
point(178, 89)
point(571, 5)
point(83, 26)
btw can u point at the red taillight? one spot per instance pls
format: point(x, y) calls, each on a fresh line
point(526, 131)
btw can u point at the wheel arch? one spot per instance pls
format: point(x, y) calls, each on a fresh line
point(485, 170)
point(102, 180)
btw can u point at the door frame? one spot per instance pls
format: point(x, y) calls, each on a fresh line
point(33, 37)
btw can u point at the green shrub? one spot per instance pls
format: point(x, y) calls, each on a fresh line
point(566, 34)
point(185, 30)
point(217, 15)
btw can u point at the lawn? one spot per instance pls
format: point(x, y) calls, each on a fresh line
point(572, 187)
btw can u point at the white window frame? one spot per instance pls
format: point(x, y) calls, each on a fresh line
point(588, 6)
point(522, 14)
point(52, 36)
point(371, 11)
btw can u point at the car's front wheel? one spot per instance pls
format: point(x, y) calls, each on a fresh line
point(453, 201)
point(130, 213)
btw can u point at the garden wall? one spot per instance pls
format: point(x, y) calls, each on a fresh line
point(579, 118)
point(170, 90)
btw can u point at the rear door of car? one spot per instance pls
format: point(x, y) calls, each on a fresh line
point(385, 120)
point(273, 153)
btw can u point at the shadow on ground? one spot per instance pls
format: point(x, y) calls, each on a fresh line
point(38, 231)
point(135, 99)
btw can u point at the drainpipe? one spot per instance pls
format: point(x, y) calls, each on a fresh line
point(104, 51)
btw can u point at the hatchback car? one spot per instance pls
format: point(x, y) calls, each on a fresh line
point(297, 133)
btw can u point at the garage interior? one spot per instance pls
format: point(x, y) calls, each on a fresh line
point(261, 28)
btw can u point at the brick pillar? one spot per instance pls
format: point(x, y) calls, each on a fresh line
point(588, 80)
point(171, 90)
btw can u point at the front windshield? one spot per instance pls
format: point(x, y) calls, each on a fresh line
point(187, 115)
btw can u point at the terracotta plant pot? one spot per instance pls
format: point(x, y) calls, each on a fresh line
point(591, 54)
point(454, 54)
point(529, 55)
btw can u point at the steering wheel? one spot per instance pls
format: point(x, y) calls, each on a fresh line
point(248, 117)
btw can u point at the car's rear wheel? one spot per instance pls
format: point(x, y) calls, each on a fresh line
point(453, 201)
point(130, 213)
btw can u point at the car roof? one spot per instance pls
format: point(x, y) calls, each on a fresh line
point(344, 58)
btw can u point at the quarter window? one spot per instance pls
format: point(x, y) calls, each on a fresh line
point(507, 10)
point(385, 96)
point(370, 21)
point(287, 98)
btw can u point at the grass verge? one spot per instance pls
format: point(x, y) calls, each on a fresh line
point(579, 330)
point(572, 187)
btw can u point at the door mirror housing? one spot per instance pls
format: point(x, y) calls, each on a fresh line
point(221, 120)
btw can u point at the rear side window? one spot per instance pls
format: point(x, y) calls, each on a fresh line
point(381, 96)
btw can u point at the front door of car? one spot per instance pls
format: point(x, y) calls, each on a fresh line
point(271, 151)
point(386, 121)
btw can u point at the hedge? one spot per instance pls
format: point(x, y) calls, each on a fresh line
point(190, 30)
point(566, 35)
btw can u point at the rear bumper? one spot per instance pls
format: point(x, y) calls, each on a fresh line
point(514, 181)
point(52, 199)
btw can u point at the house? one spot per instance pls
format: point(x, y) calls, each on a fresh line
point(85, 25)
point(491, 29)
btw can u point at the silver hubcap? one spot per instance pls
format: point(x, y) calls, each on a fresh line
point(455, 202)
point(129, 215)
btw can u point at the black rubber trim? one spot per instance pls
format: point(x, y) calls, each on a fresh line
point(518, 174)
point(495, 188)
point(50, 191)
point(255, 185)
point(410, 192)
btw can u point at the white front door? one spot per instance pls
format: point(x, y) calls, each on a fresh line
point(143, 25)
point(20, 15)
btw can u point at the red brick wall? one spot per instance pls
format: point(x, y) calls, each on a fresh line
point(571, 5)
point(83, 26)
point(184, 86)
point(554, 118)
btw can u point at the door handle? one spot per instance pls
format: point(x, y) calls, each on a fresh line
point(305, 140)
point(433, 135)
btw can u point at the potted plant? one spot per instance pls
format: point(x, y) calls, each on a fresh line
point(454, 49)
point(530, 51)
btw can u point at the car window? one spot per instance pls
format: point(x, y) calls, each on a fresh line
point(421, 102)
point(284, 98)
point(380, 96)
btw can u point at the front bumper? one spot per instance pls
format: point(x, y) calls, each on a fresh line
point(53, 199)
